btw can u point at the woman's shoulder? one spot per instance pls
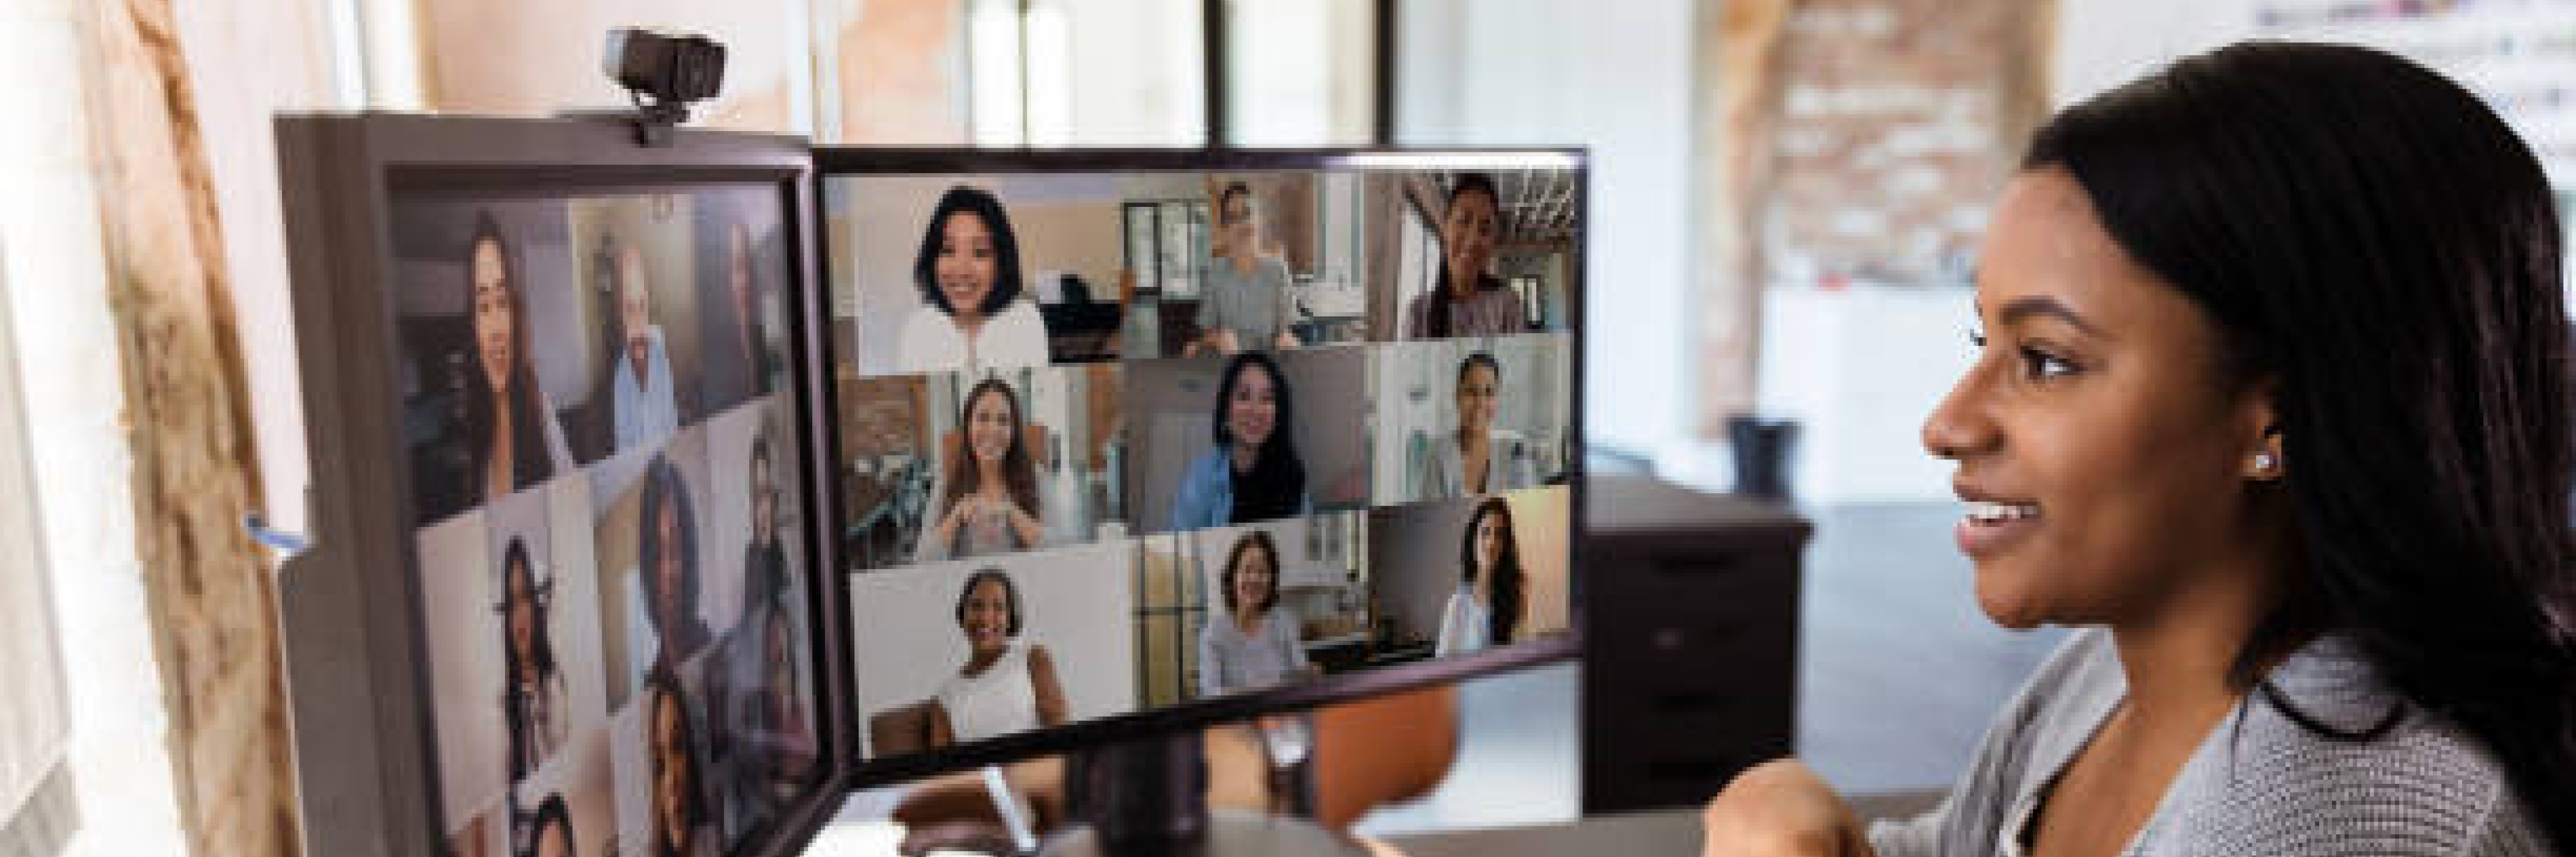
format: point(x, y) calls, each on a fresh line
point(2426, 785)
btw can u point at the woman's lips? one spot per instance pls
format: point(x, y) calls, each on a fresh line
point(1991, 527)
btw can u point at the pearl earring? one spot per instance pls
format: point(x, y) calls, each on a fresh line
point(2263, 462)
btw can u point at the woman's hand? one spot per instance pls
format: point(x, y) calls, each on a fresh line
point(1780, 809)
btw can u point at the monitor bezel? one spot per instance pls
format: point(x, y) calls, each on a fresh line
point(832, 162)
point(340, 175)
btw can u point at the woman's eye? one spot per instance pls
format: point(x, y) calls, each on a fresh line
point(2042, 366)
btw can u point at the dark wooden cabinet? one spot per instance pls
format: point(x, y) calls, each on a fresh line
point(1690, 609)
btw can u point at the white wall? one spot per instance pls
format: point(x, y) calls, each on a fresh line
point(1617, 76)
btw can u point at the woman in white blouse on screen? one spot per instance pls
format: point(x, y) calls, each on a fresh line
point(975, 312)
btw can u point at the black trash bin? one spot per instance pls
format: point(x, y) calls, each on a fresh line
point(1761, 448)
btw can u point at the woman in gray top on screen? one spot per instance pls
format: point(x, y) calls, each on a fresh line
point(1245, 302)
point(509, 428)
point(1478, 458)
point(990, 504)
point(2273, 394)
point(1465, 300)
point(1253, 644)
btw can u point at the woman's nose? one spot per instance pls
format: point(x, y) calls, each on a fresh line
point(1959, 427)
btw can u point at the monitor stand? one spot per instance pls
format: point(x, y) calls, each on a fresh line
point(1148, 798)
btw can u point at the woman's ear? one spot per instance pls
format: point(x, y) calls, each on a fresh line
point(2265, 458)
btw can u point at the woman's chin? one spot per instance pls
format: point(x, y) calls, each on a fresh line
point(2006, 604)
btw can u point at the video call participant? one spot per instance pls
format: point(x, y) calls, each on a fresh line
point(768, 748)
point(738, 363)
point(1244, 301)
point(990, 500)
point(973, 314)
point(667, 556)
point(1477, 458)
point(1007, 685)
point(511, 432)
point(646, 408)
point(2272, 393)
point(1464, 300)
point(783, 734)
point(532, 697)
point(1253, 473)
point(683, 822)
point(1486, 609)
point(764, 556)
point(550, 832)
point(1251, 644)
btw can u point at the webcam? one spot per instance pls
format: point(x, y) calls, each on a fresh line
point(664, 73)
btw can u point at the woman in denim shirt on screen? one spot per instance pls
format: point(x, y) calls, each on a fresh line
point(1253, 473)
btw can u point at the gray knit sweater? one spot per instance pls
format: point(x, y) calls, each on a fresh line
point(2260, 784)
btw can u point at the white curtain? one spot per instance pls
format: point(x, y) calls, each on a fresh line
point(33, 726)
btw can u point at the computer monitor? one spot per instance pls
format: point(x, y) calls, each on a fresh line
point(1131, 442)
point(665, 493)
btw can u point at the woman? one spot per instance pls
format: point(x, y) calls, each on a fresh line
point(2273, 393)
point(532, 695)
point(550, 832)
point(1478, 458)
point(1253, 473)
point(510, 431)
point(1245, 302)
point(764, 559)
point(1254, 644)
point(644, 405)
point(738, 362)
point(972, 315)
point(1486, 609)
point(786, 735)
point(990, 502)
point(1006, 686)
point(682, 817)
point(667, 552)
point(1465, 300)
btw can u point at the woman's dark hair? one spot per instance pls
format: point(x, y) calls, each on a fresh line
point(1255, 539)
point(2372, 240)
point(1019, 468)
point(765, 574)
point(531, 460)
point(1006, 250)
point(550, 814)
point(1010, 595)
point(1441, 299)
point(1232, 189)
point(517, 569)
point(1503, 616)
point(661, 683)
point(664, 490)
point(1276, 485)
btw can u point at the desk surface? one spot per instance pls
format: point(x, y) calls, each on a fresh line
point(1660, 833)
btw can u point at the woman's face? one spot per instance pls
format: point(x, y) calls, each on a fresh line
point(635, 298)
point(1490, 533)
point(764, 500)
point(1252, 579)
point(967, 264)
point(1467, 234)
point(2103, 451)
point(1237, 222)
point(1476, 398)
point(671, 774)
point(988, 616)
point(990, 425)
point(522, 615)
point(1252, 412)
point(554, 841)
point(495, 324)
point(668, 569)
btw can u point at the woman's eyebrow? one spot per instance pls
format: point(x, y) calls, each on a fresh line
point(2043, 305)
